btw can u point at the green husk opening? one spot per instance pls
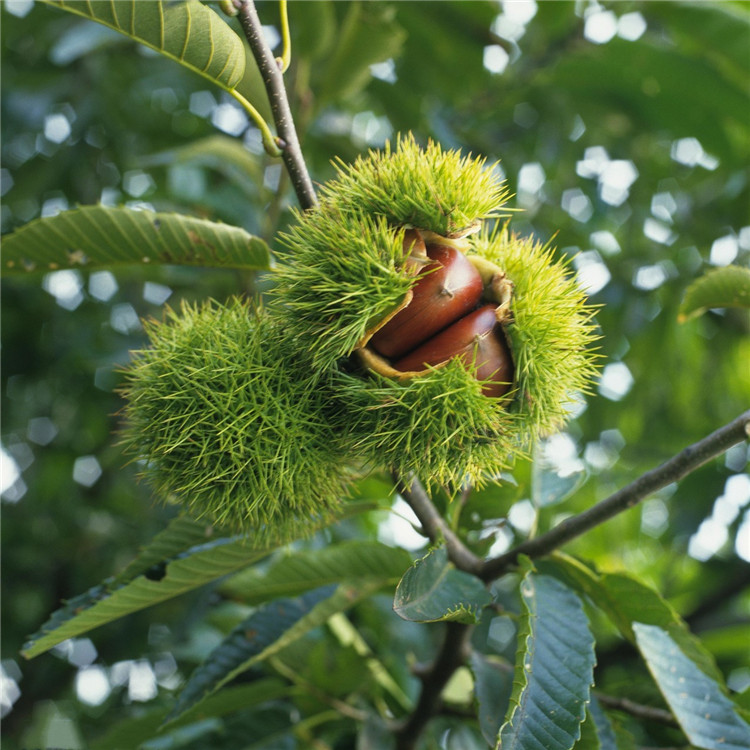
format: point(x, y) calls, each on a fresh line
point(552, 332)
point(341, 269)
point(439, 424)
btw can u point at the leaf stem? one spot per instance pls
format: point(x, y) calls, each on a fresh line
point(269, 140)
point(675, 468)
point(286, 41)
point(273, 79)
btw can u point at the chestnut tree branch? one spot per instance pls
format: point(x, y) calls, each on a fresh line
point(273, 79)
point(435, 525)
point(453, 654)
point(675, 468)
point(412, 491)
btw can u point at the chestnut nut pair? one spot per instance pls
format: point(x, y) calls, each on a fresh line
point(451, 314)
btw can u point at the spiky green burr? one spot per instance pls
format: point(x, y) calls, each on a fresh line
point(228, 425)
point(552, 332)
point(343, 271)
point(341, 267)
point(442, 191)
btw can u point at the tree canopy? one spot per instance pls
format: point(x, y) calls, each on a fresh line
point(622, 130)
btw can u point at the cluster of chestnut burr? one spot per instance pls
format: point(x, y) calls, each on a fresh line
point(451, 312)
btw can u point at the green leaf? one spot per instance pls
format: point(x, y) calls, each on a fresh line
point(715, 30)
point(188, 32)
point(549, 488)
point(307, 569)
point(221, 152)
point(135, 730)
point(604, 729)
point(727, 642)
point(706, 715)
point(100, 605)
point(433, 590)
point(348, 636)
point(96, 236)
point(589, 739)
point(313, 29)
point(604, 77)
point(728, 286)
point(493, 685)
point(626, 600)
point(554, 669)
point(264, 634)
point(743, 699)
point(181, 534)
point(369, 34)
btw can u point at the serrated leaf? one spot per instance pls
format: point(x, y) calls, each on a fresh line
point(554, 669)
point(705, 714)
point(604, 728)
point(589, 739)
point(308, 569)
point(728, 286)
point(181, 534)
point(188, 32)
point(433, 590)
point(135, 730)
point(101, 605)
point(96, 236)
point(493, 685)
point(626, 600)
point(264, 634)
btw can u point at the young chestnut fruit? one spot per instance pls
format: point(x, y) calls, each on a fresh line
point(447, 289)
point(477, 338)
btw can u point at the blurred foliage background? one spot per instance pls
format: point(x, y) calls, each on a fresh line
point(624, 132)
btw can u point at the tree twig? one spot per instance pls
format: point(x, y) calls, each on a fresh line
point(296, 679)
point(671, 471)
point(734, 582)
point(452, 655)
point(273, 79)
point(649, 713)
point(434, 524)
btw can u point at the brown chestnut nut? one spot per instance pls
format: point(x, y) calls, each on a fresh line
point(448, 289)
point(478, 338)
